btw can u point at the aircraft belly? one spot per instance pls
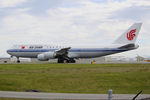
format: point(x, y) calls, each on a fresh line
point(92, 54)
point(26, 54)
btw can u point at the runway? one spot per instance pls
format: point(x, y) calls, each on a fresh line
point(68, 96)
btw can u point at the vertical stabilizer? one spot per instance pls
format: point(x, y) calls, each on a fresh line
point(129, 36)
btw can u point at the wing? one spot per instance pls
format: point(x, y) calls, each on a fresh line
point(62, 52)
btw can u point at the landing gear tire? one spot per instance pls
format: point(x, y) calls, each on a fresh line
point(67, 61)
point(72, 61)
point(18, 61)
point(60, 61)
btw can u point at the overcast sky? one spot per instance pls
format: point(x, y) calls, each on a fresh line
point(89, 22)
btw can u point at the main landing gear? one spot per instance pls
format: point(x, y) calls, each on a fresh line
point(68, 60)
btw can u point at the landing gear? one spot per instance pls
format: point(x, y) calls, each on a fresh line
point(18, 61)
point(60, 60)
point(72, 61)
point(69, 60)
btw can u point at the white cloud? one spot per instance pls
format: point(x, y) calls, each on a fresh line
point(139, 2)
point(10, 3)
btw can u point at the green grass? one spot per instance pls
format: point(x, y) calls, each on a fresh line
point(16, 99)
point(76, 78)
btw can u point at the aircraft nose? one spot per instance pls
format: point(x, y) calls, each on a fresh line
point(8, 51)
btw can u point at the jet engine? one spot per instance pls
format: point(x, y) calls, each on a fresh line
point(46, 56)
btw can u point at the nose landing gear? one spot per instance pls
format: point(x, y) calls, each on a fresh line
point(18, 61)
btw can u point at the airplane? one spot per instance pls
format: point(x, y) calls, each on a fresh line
point(124, 43)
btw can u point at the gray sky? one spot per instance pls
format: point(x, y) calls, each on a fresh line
point(89, 22)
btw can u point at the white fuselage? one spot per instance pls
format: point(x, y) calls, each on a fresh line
point(31, 51)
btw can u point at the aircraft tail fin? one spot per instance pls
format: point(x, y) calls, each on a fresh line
point(129, 36)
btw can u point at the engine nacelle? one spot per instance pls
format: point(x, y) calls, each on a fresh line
point(46, 56)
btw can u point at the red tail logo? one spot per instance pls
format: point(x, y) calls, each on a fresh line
point(131, 35)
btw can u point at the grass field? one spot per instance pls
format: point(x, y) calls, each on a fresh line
point(76, 78)
point(16, 99)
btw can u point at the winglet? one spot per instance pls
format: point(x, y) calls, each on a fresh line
point(129, 36)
